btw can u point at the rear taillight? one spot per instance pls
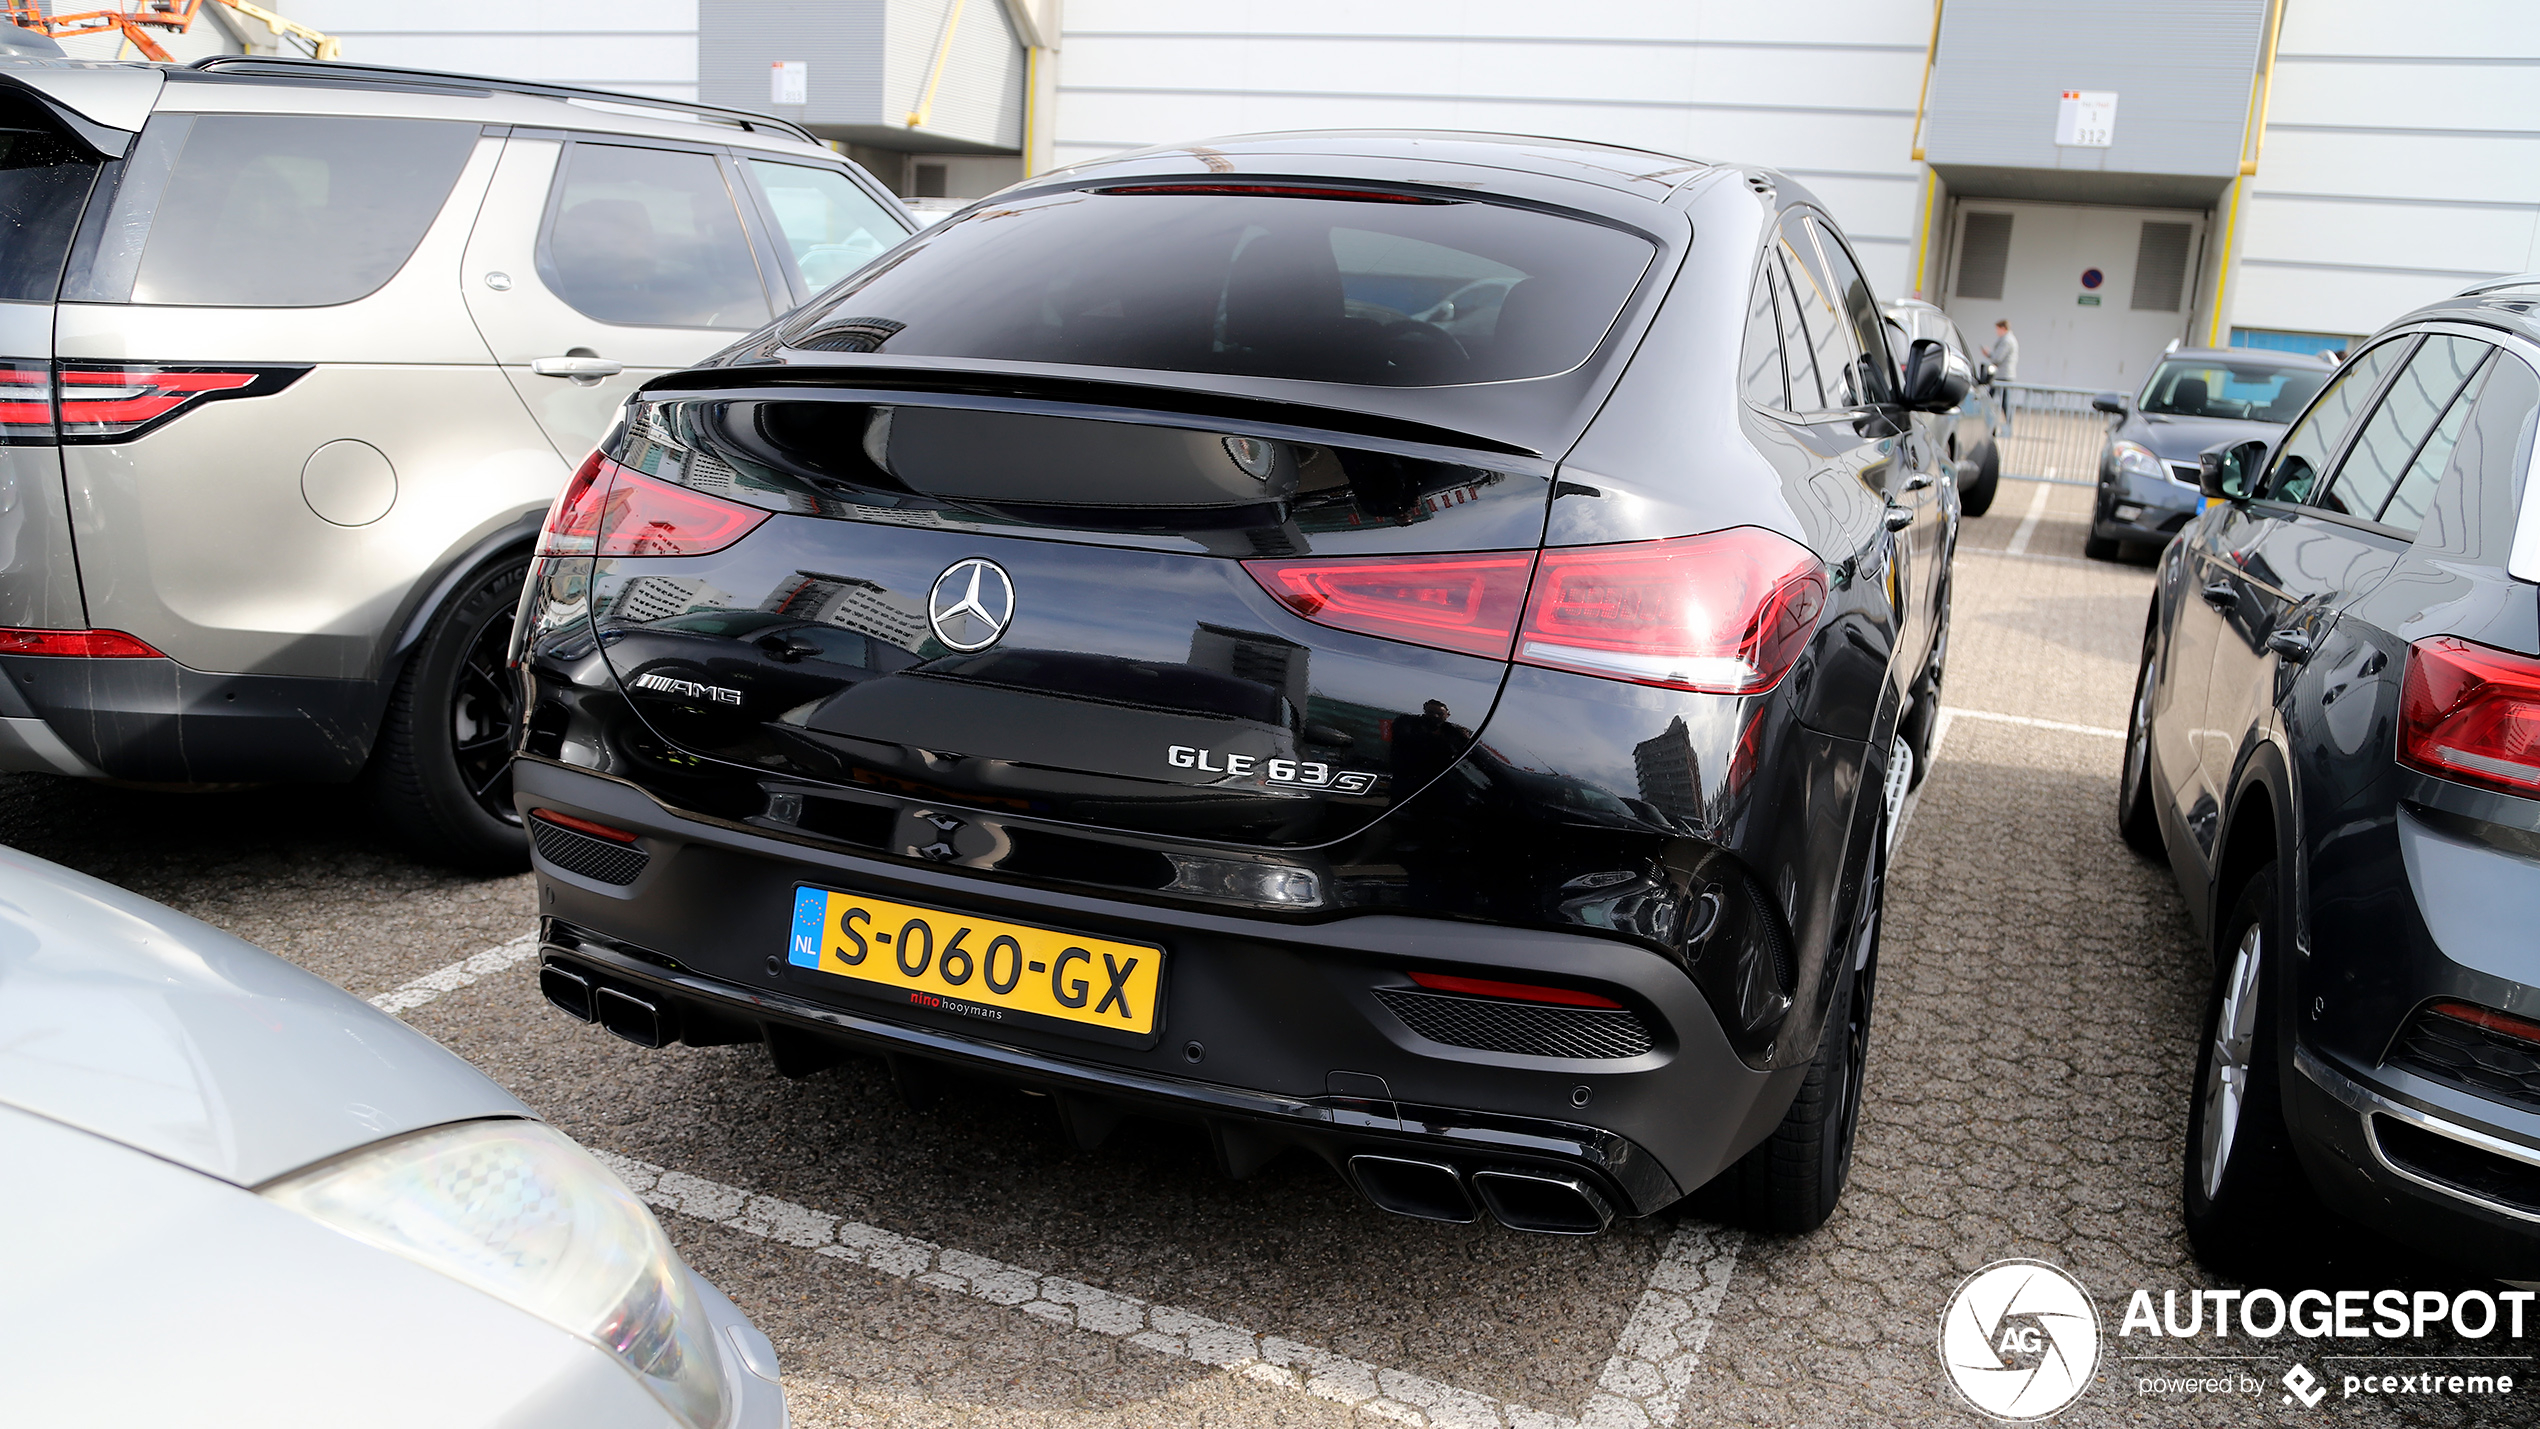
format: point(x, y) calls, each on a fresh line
point(115, 402)
point(89, 644)
point(1513, 991)
point(26, 401)
point(2472, 714)
point(612, 510)
point(1722, 613)
point(1467, 603)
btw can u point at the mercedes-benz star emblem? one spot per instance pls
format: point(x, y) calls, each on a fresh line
point(971, 604)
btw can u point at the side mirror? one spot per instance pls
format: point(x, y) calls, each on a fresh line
point(1936, 378)
point(2229, 472)
point(2112, 403)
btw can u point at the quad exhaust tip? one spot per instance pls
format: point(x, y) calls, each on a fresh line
point(570, 991)
point(1423, 1190)
point(580, 994)
point(1537, 1202)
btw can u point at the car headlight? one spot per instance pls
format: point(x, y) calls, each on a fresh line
point(2136, 459)
point(517, 1210)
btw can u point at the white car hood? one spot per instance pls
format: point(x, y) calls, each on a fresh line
point(132, 1021)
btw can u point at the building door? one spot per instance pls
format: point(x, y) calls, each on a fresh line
point(2094, 294)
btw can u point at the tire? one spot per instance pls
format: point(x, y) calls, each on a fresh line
point(440, 776)
point(1789, 1184)
point(2101, 548)
point(1976, 497)
point(2241, 1180)
point(2138, 817)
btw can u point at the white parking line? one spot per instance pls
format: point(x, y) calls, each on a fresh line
point(1949, 712)
point(408, 996)
point(1643, 1382)
point(2028, 523)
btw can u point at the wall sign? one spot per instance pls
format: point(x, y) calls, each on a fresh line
point(2087, 119)
point(789, 82)
point(2088, 300)
point(2092, 277)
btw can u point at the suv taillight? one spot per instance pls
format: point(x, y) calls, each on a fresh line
point(115, 402)
point(2472, 714)
point(1721, 613)
point(26, 401)
point(612, 510)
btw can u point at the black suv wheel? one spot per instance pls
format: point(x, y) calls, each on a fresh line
point(2241, 1176)
point(441, 773)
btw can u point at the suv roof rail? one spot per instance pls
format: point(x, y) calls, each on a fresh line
point(433, 78)
point(2494, 285)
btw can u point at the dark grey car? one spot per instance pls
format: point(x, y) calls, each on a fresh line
point(2194, 398)
point(2336, 741)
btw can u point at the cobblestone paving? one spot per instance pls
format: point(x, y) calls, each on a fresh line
point(2026, 1097)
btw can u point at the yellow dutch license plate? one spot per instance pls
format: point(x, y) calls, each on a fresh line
point(976, 967)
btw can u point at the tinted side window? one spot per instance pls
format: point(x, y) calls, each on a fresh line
point(43, 184)
point(650, 238)
point(2386, 450)
point(295, 211)
point(2478, 499)
point(831, 227)
point(1873, 377)
point(2414, 496)
point(1798, 350)
point(2304, 456)
point(1829, 332)
point(1760, 361)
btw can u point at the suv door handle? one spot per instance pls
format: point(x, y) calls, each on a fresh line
point(1899, 517)
point(1918, 481)
point(2292, 644)
point(2220, 595)
point(575, 367)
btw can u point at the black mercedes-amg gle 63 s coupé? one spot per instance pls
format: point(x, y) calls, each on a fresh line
point(1408, 646)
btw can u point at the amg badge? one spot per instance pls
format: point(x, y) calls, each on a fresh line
point(717, 693)
point(1278, 773)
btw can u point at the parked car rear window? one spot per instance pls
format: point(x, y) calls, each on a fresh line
point(831, 227)
point(2254, 393)
point(650, 238)
point(1388, 294)
point(288, 211)
point(43, 184)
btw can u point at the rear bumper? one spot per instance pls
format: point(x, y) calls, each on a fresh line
point(2343, 1120)
point(156, 721)
point(1271, 1037)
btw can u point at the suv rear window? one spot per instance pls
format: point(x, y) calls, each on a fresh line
point(1373, 291)
point(43, 183)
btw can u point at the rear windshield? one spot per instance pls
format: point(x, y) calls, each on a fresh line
point(43, 184)
point(1366, 291)
point(2193, 388)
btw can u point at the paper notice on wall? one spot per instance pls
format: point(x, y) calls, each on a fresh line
point(2087, 119)
point(789, 82)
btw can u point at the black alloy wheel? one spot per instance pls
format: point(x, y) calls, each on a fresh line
point(1975, 494)
point(1790, 1183)
point(2241, 1178)
point(2138, 819)
point(441, 773)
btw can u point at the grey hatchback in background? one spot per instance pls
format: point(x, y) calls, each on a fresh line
point(293, 357)
point(232, 1193)
point(2195, 398)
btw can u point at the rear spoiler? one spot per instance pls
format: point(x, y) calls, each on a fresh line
point(101, 105)
point(1129, 399)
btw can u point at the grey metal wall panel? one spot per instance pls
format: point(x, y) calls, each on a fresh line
point(979, 100)
point(2180, 69)
point(841, 40)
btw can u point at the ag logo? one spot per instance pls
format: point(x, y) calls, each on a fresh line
point(2019, 1339)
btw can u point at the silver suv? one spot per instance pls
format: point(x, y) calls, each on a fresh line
point(293, 358)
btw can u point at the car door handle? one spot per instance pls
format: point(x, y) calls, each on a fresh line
point(1918, 481)
point(575, 367)
point(2221, 596)
point(2292, 644)
point(1899, 517)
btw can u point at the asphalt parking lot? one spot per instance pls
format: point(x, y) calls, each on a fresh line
point(2034, 1042)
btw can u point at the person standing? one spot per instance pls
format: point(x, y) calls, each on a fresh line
point(2005, 357)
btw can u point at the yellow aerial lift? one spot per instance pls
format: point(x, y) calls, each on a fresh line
point(173, 16)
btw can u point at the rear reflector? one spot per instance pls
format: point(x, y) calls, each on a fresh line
point(584, 826)
point(1723, 613)
point(612, 510)
point(1513, 991)
point(91, 644)
point(1467, 603)
point(2472, 714)
point(2502, 1024)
